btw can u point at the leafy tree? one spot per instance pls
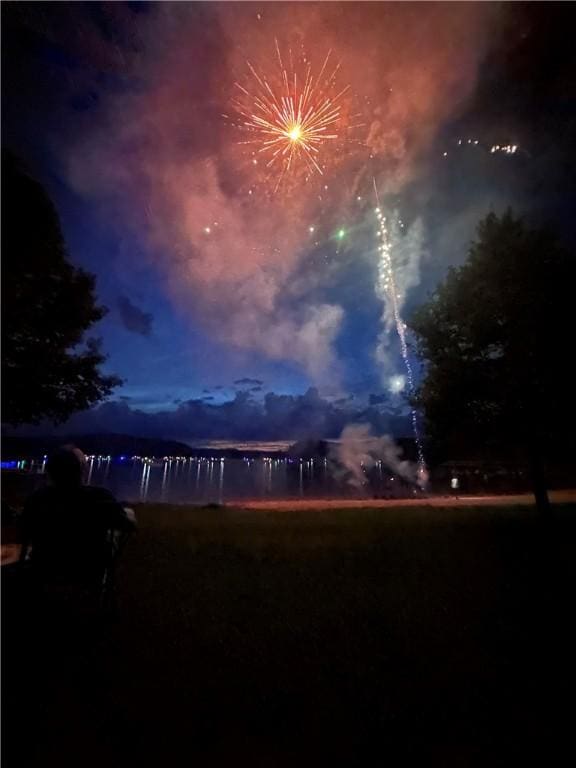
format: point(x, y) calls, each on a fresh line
point(48, 371)
point(493, 336)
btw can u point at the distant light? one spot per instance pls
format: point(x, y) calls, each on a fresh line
point(311, 229)
point(341, 233)
point(358, 198)
point(507, 149)
point(207, 230)
point(445, 154)
point(396, 384)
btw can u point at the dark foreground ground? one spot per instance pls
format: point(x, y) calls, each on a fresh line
point(412, 636)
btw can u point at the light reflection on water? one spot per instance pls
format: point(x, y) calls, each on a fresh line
point(217, 480)
point(201, 480)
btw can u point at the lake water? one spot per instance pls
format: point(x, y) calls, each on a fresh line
point(204, 481)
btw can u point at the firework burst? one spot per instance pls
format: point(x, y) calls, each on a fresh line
point(291, 115)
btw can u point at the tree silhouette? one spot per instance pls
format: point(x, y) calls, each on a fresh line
point(493, 336)
point(48, 370)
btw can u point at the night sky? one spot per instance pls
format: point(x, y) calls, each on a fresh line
point(237, 310)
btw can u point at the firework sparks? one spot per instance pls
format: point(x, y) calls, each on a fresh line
point(389, 291)
point(291, 114)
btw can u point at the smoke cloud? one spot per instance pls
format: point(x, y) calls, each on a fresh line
point(358, 450)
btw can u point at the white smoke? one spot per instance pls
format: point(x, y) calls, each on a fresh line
point(358, 450)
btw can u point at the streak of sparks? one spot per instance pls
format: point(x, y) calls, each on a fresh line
point(291, 117)
point(388, 288)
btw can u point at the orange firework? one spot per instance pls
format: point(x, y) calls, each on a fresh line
point(289, 116)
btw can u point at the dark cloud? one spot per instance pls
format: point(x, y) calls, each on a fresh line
point(133, 318)
point(276, 417)
point(377, 399)
point(246, 382)
point(341, 401)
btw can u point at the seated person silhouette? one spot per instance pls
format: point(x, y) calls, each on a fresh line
point(70, 530)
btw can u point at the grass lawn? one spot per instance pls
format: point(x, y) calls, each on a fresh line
point(411, 636)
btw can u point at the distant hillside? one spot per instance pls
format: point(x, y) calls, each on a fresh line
point(104, 444)
point(112, 444)
point(115, 445)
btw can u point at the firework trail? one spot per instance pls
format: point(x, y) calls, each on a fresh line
point(388, 289)
point(291, 116)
